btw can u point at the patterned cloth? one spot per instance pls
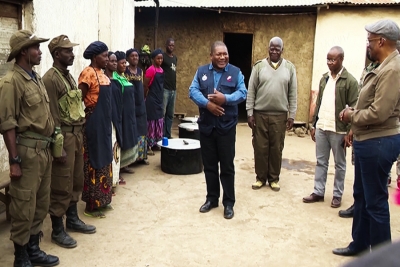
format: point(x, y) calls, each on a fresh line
point(154, 131)
point(116, 157)
point(142, 148)
point(97, 182)
point(129, 156)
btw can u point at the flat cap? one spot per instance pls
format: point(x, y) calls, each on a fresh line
point(61, 41)
point(385, 27)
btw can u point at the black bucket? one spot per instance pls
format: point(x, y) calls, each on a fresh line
point(181, 156)
point(189, 130)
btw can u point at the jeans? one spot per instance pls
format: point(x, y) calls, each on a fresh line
point(373, 161)
point(169, 109)
point(325, 141)
point(217, 148)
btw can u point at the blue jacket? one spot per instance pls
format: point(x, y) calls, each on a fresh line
point(229, 81)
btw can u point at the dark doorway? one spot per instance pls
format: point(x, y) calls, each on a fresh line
point(240, 48)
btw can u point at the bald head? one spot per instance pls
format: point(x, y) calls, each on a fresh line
point(338, 49)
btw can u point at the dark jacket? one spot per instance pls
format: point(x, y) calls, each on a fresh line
point(227, 85)
point(346, 93)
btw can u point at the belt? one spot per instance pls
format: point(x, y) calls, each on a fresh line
point(71, 129)
point(33, 143)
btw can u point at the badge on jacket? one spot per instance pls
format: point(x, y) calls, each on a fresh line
point(204, 78)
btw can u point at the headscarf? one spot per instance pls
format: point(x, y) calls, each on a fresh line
point(130, 51)
point(120, 55)
point(156, 52)
point(110, 53)
point(94, 49)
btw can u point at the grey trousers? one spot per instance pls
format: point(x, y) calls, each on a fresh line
point(325, 141)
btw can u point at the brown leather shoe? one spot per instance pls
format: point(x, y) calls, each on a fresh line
point(336, 202)
point(313, 198)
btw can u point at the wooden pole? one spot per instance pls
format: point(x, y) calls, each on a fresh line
point(156, 23)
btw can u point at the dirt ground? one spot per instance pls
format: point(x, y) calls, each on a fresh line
point(156, 222)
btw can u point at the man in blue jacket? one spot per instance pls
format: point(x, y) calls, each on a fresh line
point(217, 89)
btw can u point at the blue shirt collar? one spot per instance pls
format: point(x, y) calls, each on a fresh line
point(210, 67)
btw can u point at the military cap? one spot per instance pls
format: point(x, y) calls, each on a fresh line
point(61, 41)
point(385, 27)
point(22, 39)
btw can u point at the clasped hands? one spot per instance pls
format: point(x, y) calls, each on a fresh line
point(216, 100)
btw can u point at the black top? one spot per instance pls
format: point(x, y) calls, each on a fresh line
point(169, 67)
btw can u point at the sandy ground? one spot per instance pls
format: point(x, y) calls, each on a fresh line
point(156, 222)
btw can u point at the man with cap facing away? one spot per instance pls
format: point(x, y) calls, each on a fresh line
point(375, 125)
point(27, 126)
point(67, 171)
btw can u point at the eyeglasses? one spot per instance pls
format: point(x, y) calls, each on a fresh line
point(372, 39)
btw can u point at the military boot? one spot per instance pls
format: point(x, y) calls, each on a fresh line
point(59, 236)
point(75, 224)
point(37, 256)
point(21, 256)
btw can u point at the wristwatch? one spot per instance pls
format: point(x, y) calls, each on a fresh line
point(16, 160)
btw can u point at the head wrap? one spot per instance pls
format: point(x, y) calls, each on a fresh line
point(146, 49)
point(130, 51)
point(94, 49)
point(385, 27)
point(155, 53)
point(110, 53)
point(120, 55)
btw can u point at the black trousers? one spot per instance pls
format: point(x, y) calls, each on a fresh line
point(217, 148)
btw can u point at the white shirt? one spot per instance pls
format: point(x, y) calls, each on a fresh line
point(326, 115)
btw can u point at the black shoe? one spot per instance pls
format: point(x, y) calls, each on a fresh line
point(59, 236)
point(349, 213)
point(77, 225)
point(344, 252)
point(37, 256)
point(228, 212)
point(21, 256)
point(206, 207)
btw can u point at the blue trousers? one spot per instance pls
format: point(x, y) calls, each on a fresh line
point(373, 160)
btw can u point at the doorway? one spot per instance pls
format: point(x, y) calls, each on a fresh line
point(240, 48)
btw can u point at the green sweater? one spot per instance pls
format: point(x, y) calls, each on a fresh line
point(272, 90)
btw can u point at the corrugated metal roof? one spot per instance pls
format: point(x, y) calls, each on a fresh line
point(258, 3)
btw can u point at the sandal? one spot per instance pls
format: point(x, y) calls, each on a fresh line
point(94, 214)
point(107, 207)
point(121, 181)
point(156, 148)
point(143, 161)
point(126, 170)
point(113, 190)
point(150, 152)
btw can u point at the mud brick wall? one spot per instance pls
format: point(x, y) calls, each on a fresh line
point(194, 30)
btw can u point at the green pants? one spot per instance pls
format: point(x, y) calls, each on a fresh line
point(30, 195)
point(268, 142)
point(67, 178)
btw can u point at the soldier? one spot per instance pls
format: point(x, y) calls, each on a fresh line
point(27, 126)
point(67, 172)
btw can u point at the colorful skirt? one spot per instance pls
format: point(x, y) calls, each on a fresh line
point(129, 156)
point(116, 157)
point(97, 182)
point(142, 148)
point(155, 131)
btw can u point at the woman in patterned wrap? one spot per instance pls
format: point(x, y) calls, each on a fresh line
point(96, 92)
